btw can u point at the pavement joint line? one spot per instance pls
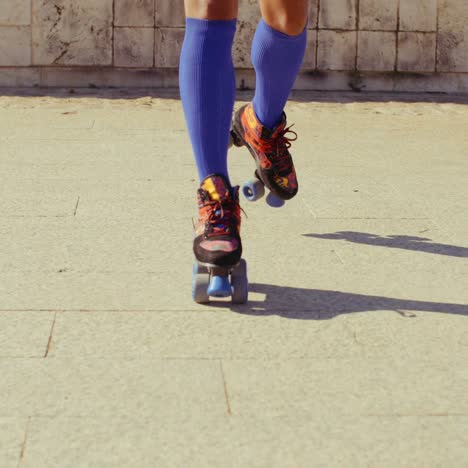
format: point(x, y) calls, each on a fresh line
point(129, 358)
point(416, 415)
point(21, 357)
point(370, 217)
point(23, 445)
point(55, 139)
point(76, 206)
point(49, 341)
point(226, 394)
point(429, 359)
point(36, 216)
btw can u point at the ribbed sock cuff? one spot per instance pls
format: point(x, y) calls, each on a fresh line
point(212, 25)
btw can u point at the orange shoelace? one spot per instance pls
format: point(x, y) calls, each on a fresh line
point(278, 146)
point(222, 218)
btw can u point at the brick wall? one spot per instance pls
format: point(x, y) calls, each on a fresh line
point(403, 45)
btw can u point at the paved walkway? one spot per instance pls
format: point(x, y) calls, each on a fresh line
point(353, 350)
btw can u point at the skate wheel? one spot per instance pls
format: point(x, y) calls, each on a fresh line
point(240, 283)
point(200, 284)
point(253, 190)
point(219, 287)
point(274, 201)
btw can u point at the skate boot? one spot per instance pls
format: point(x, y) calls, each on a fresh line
point(217, 235)
point(219, 270)
point(269, 148)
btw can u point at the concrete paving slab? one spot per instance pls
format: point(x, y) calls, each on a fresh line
point(34, 120)
point(86, 133)
point(85, 387)
point(12, 435)
point(356, 197)
point(349, 386)
point(351, 349)
point(25, 335)
point(389, 236)
point(107, 244)
point(392, 139)
point(440, 199)
point(196, 439)
point(129, 203)
point(89, 290)
point(245, 441)
point(397, 332)
point(45, 204)
point(340, 289)
point(250, 334)
point(408, 246)
point(455, 229)
point(40, 244)
point(270, 440)
point(202, 334)
point(77, 244)
point(144, 149)
point(335, 296)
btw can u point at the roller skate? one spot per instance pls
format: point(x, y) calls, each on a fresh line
point(219, 270)
point(269, 148)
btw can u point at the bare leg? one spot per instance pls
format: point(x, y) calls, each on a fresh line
point(287, 16)
point(211, 9)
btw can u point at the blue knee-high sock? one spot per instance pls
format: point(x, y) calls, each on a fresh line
point(277, 59)
point(207, 88)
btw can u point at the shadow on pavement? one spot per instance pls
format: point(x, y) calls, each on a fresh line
point(419, 244)
point(316, 304)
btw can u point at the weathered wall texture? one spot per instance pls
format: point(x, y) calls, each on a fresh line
point(407, 45)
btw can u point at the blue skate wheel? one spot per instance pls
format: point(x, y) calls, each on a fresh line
point(200, 284)
point(240, 283)
point(219, 287)
point(274, 201)
point(253, 190)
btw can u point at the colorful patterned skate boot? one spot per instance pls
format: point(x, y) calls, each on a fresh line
point(217, 235)
point(269, 148)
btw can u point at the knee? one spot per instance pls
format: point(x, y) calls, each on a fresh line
point(292, 25)
point(212, 9)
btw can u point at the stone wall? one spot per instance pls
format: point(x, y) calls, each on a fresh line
point(403, 45)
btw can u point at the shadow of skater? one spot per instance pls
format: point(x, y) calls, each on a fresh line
point(316, 304)
point(419, 244)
